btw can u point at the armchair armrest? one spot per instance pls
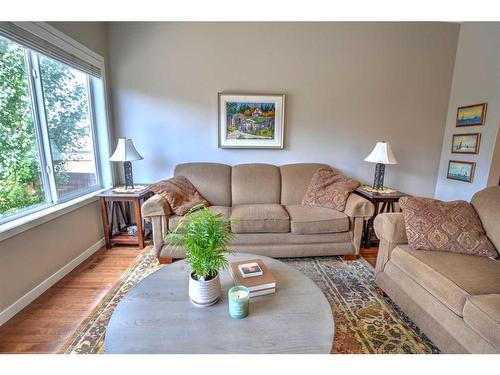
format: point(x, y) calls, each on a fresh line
point(390, 229)
point(156, 206)
point(357, 206)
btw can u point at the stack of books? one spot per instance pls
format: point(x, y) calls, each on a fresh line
point(254, 275)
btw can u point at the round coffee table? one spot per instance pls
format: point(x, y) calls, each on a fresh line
point(156, 316)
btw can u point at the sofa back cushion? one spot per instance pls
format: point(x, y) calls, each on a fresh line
point(295, 179)
point(255, 184)
point(454, 226)
point(212, 180)
point(487, 205)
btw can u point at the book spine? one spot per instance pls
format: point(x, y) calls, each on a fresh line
point(262, 292)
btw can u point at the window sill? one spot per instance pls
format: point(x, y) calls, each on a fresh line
point(17, 226)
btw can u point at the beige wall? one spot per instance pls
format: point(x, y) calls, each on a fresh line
point(92, 35)
point(32, 256)
point(348, 85)
point(476, 79)
point(494, 177)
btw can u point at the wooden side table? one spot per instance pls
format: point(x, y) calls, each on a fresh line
point(387, 201)
point(114, 205)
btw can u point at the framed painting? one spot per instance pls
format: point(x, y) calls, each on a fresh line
point(465, 143)
point(471, 115)
point(251, 120)
point(461, 170)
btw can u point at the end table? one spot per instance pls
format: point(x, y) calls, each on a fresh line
point(386, 199)
point(116, 204)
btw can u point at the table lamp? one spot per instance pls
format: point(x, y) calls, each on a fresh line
point(381, 155)
point(126, 153)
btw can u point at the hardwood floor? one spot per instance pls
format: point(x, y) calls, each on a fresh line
point(370, 254)
point(45, 324)
point(49, 321)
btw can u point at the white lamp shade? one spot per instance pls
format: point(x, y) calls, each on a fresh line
point(382, 153)
point(125, 151)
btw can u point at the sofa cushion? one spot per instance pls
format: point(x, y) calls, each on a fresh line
point(255, 184)
point(212, 180)
point(487, 205)
point(180, 194)
point(432, 224)
point(329, 189)
point(449, 277)
point(316, 220)
point(173, 220)
point(259, 218)
point(295, 178)
point(482, 314)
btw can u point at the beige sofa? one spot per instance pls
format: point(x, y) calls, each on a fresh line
point(453, 298)
point(266, 200)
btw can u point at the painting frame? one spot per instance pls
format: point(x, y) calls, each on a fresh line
point(479, 120)
point(274, 122)
point(470, 164)
point(456, 138)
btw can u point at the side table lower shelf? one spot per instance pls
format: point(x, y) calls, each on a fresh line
point(116, 210)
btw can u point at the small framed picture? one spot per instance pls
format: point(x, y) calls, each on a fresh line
point(471, 115)
point(461, 170)
point(251, 120)
point(466, 143)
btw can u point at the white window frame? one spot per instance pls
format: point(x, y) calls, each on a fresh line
point(99, 118)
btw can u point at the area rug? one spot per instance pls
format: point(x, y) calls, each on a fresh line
point(365, 320)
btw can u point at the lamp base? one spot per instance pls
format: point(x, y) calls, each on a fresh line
point(378, 181)
point(129, 179)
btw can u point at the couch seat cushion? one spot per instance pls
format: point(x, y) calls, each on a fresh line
point(482, 314)
point(260, 218)
point(449, 277)
point(173, 220)
point(316, 220)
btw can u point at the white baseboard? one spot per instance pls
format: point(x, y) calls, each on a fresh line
point(34, 293)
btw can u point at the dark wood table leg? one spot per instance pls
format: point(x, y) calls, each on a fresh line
point(366, 233)
point(369, 224)
point(105, 222)
point(138, 223)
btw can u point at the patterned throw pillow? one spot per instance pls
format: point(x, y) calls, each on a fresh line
point(180, 194)
point(329, 189)
point(445, 226)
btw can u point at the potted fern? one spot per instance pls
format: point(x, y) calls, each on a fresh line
point(205, 237)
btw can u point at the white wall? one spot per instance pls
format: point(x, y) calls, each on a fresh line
point(476, 79)
point(348, 85)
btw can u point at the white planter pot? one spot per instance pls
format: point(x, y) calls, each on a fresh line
point(204, 293)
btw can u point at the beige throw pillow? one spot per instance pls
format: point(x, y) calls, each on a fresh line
point(180, 194)
point(329, 189)
point(445, 226)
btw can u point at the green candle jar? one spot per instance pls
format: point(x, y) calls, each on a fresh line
point(239, 299)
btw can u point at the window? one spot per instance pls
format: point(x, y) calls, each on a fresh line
point(47, 131)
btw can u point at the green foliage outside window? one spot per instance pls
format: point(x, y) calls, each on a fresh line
point(65, 101)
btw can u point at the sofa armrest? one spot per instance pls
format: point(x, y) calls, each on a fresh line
point(156, 206)
point(157, 210)
point(390, 229)
point(357, 206)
